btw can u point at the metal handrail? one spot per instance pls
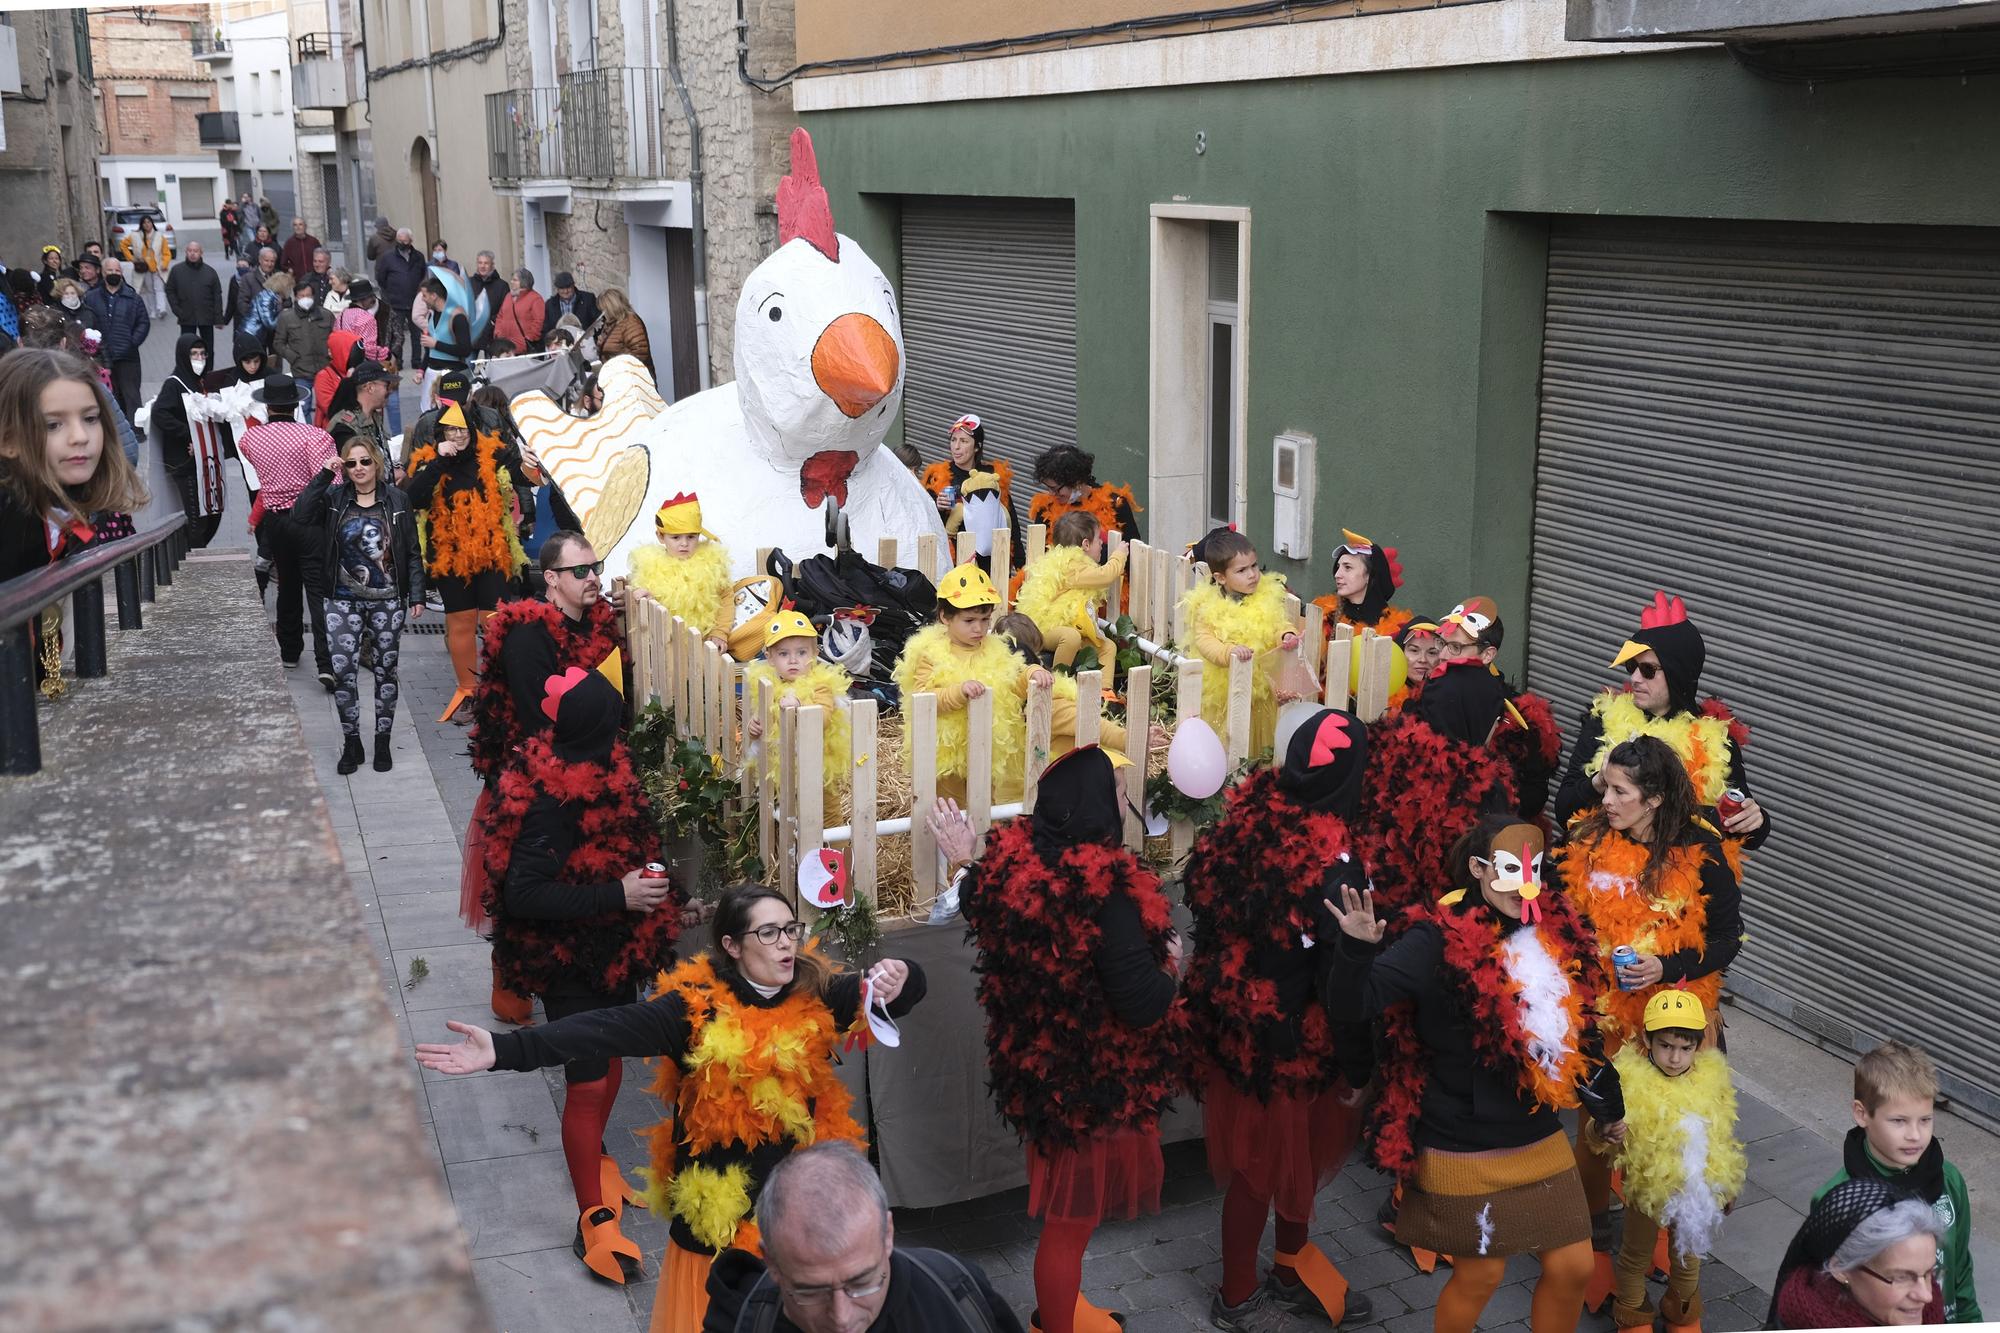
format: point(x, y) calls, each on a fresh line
point(139, 565)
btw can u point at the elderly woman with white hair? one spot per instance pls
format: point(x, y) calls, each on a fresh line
point(1865, 1257)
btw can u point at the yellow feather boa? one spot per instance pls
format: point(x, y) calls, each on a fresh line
point(824, 684)
point(1050, 598)
point(995, 665)
point(1701, 742)
point(1256, 622)
point(694, 588)
point(1681, 1158)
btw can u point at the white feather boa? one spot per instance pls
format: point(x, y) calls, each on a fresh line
point(1540, 988)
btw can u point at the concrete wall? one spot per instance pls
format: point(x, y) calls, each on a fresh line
point(49, 193)
point(255, 82)
point(1395, 275)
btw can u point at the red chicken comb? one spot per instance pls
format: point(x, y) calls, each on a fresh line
point(803, 208)
point(1331, 736)
point(1665, 610)
point(555, 687)
point(1395, 566)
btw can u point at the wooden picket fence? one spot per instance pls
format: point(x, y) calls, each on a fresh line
point(707, 693)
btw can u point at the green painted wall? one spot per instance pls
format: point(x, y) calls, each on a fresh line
point(1398, 246)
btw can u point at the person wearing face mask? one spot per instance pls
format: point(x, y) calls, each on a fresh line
point(1279, 1080)
point(117, 312)
point(782, 1010)
point(399, 272)
point(1484, 998)
point(193, 457)
point(1662, 697)
point(301, 339)
point(67, 294)
point(441, 256)
point(1648, 873)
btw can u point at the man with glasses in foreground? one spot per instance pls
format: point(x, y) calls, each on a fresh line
point(573, 625)
point(1663, 663)
point(831, 1264)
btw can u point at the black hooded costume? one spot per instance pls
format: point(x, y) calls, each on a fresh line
point(171, 427)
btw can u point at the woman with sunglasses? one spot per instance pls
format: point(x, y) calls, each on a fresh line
point(1649, 875)
point(465, 486)
point(1662, 697)
point(747, 1031)
point(371, 574)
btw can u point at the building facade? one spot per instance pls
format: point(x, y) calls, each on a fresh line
point(430, 66)
point(1565, 319)
point(248, 50)
point(331, 121)
point(640, 157)
point(49, 185)
point(152, 91)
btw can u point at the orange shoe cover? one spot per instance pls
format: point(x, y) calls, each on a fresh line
point(1598, 1290)
point(1695, 1327)
point(604, 1249)
point(1322, 1279)
point(1087, 1319)
point(614, 1188)
point(509, 1007)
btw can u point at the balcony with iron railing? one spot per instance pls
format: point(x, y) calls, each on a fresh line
point(596, 126)
point(208, 43)
point(328, 73)
point(218, 129)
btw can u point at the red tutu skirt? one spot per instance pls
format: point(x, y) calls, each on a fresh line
point(472, 875)
point(1116, 1174)
point(1284, 1150)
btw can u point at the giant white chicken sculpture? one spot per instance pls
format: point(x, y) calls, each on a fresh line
point(819, 378)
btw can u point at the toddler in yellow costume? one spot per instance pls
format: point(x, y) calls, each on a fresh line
point(792, 668)
point(1682, 1161)
point(688, 572)
point(958, 660)
point(1111, 734)
point(1240, 614)
point(1064, 590)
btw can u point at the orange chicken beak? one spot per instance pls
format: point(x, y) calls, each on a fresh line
point(855, 363)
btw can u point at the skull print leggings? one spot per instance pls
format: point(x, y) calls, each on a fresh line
point(351, 625)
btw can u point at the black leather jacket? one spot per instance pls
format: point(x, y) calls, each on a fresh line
point(320, 509)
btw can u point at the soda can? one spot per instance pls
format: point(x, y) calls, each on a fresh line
point(1623, 957)
point(949, 495)
point(1731, 804)
point(654, 870)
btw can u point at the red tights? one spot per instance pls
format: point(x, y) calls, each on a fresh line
point(1243, 1215)
point(586, 1111)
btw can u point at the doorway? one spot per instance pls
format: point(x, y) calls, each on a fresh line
point(1197, 461)
point(427, 186)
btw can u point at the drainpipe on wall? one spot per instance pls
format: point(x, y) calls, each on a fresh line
point(694, 184)
point(423, 12)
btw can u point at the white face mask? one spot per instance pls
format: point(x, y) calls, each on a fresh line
point(438, 255)
point(305, 303)
point(198, 364)
point(72, 301)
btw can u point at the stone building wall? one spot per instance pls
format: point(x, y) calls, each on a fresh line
point(49, 192)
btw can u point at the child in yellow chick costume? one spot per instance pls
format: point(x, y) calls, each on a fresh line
point(688, 571)
point(1682, 1161)
point(1066, 588)
point(957, 659)
point(791, 667)
point(1239, 613)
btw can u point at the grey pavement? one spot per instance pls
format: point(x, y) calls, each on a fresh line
point(496, 1137)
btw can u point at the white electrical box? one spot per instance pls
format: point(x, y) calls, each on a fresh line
point(1294, 481)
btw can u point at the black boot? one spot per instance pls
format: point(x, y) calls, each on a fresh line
point(351, 755)
point(383, 763)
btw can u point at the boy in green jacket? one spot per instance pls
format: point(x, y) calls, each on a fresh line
point(1895, 1093)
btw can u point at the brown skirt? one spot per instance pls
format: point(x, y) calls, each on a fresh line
point(1493, 1204)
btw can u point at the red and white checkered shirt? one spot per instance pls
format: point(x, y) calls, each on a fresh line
point(285, 454)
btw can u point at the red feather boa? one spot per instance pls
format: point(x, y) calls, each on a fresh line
point(615, 833)
point(1480, 983)
point(1422, 791)
point(496, 728)
point(1739, 730)
point(1062, 1066)
point(1252, 881)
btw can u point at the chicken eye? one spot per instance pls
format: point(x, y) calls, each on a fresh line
point(777, 313)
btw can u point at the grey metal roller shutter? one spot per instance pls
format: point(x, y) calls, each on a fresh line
point(1798, 429)
point(989, 322)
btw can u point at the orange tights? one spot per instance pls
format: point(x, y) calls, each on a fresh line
point(1558, 1295)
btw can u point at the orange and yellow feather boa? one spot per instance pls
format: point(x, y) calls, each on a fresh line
point(1601, 875)
point(1100, 502)
point(467, 532)
point(1702, 742)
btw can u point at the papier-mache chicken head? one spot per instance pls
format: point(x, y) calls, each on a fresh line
point(819, 343)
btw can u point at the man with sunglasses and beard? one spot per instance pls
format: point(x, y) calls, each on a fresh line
point(1663, 663)
point(573, 625)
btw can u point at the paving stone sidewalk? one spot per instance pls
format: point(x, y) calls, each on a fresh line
point(497, 1142)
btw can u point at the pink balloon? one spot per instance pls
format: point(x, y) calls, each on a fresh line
point(1195, 761)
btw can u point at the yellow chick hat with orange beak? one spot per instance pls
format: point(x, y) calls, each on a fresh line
point(966, 587)
point(680, 516)
point(788, 625)
point(453, 415)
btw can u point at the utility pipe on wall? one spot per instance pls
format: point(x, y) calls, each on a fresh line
point(694, 185)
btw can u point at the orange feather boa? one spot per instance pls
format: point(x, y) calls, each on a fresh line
point(467, 530)
point(1601, 874)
